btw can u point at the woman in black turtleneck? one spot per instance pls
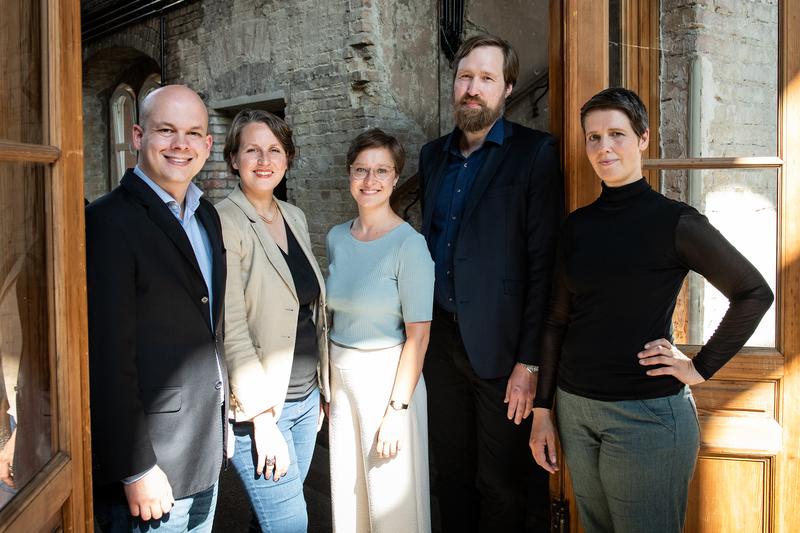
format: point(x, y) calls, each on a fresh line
point(626, 416)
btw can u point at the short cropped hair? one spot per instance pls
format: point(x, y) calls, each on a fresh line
point(277, 126)
point(510, 58)
point(377, 138)
point(623, 100)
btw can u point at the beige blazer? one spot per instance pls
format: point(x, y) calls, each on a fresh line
point(261, 308)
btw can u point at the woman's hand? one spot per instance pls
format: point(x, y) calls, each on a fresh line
point(390, 434)
point(662, 352)
point(272, 453)
point(543, 440)
point(324, 410)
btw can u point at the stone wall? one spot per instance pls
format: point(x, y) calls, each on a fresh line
point(525, 24)
point(123, 57)
point(340, 67)
point(719, 99)
point(334, 67)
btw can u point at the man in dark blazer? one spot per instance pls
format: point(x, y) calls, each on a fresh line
point(491, 205)
point(156, 285)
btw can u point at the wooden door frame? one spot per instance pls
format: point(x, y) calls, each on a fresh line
point(579, 69)
point(574, 32)
point(64, 484)
point(787, 512)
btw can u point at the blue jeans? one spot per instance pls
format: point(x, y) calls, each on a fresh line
point(194, 513)
point(630, 461)
point(279, 506)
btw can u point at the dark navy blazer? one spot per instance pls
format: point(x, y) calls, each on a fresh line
point(503, 252)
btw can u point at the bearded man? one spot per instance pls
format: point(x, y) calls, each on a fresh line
point(492, 202)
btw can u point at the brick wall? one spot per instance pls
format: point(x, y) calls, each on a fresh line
point(340, 67)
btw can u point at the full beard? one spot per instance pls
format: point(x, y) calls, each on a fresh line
point(476, 119)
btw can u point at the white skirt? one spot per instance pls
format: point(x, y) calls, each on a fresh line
point(370, 494)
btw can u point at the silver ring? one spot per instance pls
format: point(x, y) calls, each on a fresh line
point(270, 461)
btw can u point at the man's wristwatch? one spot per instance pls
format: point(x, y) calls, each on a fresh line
point(531, 368)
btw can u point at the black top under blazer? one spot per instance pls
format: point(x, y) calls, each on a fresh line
point(155, 388)
point(504, 250)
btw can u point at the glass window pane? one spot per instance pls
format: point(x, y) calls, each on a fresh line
point(123, 117)
point(21, 72)
point(742, 205)
point(719, 78)
point(25, 418)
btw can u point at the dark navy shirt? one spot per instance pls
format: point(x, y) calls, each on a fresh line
point(449, 206)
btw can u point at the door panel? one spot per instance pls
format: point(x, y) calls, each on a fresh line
point(43, 359)
point(728, 495)
point(721, 86)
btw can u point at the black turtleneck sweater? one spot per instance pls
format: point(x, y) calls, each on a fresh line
point(620, 265)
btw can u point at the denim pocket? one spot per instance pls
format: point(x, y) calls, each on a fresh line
point(659, 410)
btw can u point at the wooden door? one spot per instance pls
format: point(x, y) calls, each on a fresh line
point(722, 85)
point(44, 417)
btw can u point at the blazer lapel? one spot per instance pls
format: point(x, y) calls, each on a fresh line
point(432, 188)
point(486, 173)
point(219, 267)
point(268, 244)
point(162, 217)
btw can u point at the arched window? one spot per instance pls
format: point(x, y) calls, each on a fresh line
point(150, 84)
point(123, 117)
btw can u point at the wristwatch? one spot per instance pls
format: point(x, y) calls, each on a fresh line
point(531, 368)
point(397, 405)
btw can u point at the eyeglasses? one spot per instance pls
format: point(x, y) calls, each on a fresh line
point(379, 173)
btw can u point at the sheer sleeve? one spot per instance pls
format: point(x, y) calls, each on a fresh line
point(703, 249)
point(553, 331)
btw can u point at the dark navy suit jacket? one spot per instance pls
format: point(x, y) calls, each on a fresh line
point(504, 250)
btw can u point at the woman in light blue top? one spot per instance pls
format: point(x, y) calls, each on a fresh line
point(380, 292)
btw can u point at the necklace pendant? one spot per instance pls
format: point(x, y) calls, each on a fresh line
point(271, 219)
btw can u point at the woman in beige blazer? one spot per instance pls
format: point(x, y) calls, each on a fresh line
point(275, 326)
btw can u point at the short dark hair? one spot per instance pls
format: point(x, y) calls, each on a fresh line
point(377, 138)
point(620, 99)
point(510, 58)
point(277, 126)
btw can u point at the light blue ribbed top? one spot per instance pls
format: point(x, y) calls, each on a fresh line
point(375, 287)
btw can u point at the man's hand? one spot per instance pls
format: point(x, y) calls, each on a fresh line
point(7, 461)
point(150, 497)
point(520, 391)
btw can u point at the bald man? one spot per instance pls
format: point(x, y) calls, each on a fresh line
point(156, 283)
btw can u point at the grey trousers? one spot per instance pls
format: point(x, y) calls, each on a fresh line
point(630, 461)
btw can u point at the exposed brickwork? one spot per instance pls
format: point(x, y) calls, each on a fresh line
point(340, 66)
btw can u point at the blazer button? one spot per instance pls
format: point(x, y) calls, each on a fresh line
point(218, 385)
point(204, 299)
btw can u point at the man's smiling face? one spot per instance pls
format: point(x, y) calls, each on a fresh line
point(172, 140)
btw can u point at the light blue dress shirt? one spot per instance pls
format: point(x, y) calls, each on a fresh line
point(193, 228)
